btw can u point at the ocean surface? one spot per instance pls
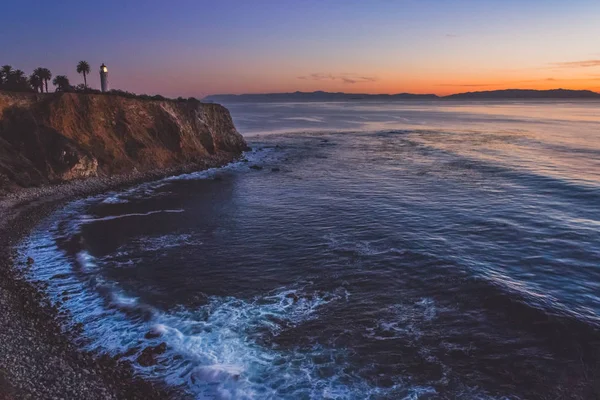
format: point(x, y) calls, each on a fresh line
point(360, 251)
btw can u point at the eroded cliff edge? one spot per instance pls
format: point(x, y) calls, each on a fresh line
point(50, 138)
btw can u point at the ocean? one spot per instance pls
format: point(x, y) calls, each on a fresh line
point(361, 250)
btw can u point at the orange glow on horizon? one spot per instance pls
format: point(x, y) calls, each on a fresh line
point(439, 81)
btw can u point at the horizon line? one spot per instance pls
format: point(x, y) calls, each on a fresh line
point(405, 93)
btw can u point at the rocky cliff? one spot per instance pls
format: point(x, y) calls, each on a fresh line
point(64, 136)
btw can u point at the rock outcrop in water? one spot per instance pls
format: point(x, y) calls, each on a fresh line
point(48, 138)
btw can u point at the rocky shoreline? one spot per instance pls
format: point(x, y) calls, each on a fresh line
point(37, 359)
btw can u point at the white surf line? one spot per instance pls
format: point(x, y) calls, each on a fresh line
point(85, 220)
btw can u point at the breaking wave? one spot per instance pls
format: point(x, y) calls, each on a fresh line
point(226, 348)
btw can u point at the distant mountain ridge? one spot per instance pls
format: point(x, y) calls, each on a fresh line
point(508, 94)
point(525, 94)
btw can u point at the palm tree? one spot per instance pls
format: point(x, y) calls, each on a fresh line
point(47, 77)
point(39, 72)
point(44, 74)
point(36, 82)
point(83, 68)
point(5, 72)
point(17, 76)
point(17, 81)
point(62, 83)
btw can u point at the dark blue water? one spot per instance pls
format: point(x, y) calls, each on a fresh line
point(459, 258)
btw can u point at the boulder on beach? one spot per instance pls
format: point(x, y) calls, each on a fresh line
point(149, 354)
point(155, 332)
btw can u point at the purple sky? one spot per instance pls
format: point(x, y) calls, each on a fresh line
point(196, 47)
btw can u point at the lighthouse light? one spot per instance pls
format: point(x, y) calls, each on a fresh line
point(104, 78)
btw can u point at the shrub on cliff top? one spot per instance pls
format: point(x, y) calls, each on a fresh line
point(82, 89)
point(62, 83)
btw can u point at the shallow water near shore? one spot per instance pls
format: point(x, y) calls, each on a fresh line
point(378, 250)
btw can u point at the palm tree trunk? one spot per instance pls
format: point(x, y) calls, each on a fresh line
point(46, 85)
point(84, 81)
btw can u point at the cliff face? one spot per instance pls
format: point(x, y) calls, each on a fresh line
point(64, 136)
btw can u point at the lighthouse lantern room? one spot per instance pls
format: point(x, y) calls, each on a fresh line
point(104, 78)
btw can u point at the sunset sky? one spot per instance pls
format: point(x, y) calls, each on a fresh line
point(197, 47)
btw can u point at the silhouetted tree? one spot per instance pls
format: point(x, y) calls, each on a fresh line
point(36, 83)
point(15, 80)
point(44, 74)
point(62, 83)
point(5, 72)
point(83, 68)
point(39, 72)
point(20, 80)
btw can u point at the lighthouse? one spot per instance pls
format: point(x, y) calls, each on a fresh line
point(104, 78)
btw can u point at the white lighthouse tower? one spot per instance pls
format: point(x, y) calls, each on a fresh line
point(104, 78)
